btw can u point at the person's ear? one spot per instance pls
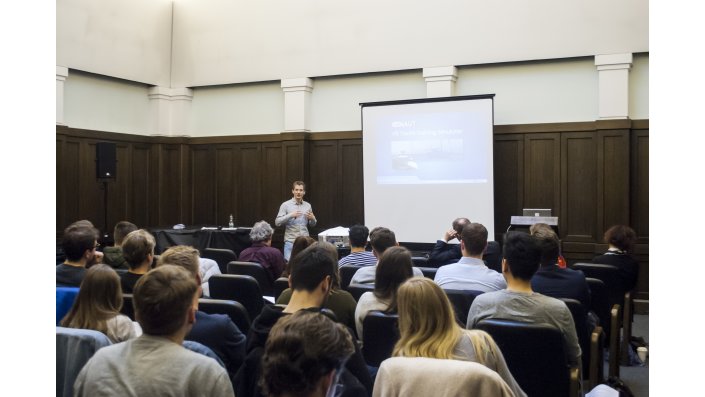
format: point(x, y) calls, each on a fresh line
point(462, 245)
point(289, 278)
point(327, 383)
point(505, 267)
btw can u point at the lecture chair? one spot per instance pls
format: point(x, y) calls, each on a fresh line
point(64, 300)
point(239, 288)
point(461, 300)
point(235, 310)
point(280, 285)
point(429, 272)
point(536, 357)
point(356, 290)
point(618, 295)
point(127, 306)
point(425, 376)
point(222, 256)
point(591, 343)
point(609, 320)
point(420, 261)
point(74, 347)
point(266, 284)
point(346, 274)
point(379, 334)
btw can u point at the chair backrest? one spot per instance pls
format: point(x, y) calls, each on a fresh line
point(379, 334)
point(356, 290)
point(493, 256)
point(599, 301)
point(74, 347)
point(419, 261)
point(127, 307)
point(64, 300)
point(461, 301)
point(222, 256)
point(429, 272)
point(280, 285)
point(609, 275)
point(423, 376)
point(346, 274)
point(535, 355)
point(239, 288)
point(579, 313)
point(235, 310)
point(266, 284)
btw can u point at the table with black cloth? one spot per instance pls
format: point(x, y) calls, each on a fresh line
point(236, 239)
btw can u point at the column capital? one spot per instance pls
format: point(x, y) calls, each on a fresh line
point(62, 72)
point(614, 61)
point(171, 94)
point(441, 73)
point(297, 84)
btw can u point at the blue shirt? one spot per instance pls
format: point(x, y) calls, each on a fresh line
point(469, 274)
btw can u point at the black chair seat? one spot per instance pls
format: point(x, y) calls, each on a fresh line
point(266, 284)
point(379, 334)
point(535, 355)
point(235, 310)
point(356, 290)
point(429, 272)
point(346, 274)
point(127, 308)
point(239, 288)
point(221, 256)
point(280, 285)
point(461, 301)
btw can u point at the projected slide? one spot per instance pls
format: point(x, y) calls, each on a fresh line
point(429, 148)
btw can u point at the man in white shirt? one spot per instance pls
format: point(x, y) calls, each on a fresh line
point(471, 273)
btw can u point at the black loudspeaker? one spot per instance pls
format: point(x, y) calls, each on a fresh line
point(105, 160)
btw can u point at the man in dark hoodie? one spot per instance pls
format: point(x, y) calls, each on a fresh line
point(310, 279)
point(113, 255)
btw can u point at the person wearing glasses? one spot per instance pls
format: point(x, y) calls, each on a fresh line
point(79, 244)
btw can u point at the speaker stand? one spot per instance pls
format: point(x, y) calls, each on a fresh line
point(105, 208)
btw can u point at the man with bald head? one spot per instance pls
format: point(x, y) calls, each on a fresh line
point(444, 253)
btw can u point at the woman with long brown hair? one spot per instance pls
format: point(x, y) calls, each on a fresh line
point(427, 328)
point(98, 305)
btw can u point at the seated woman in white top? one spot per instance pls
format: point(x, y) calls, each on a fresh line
point(427, 328)
point(393, 269)
point(97, 306)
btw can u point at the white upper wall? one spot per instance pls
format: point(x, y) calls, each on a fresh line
point(233, 41)
point(639, 87)
point(128, 39)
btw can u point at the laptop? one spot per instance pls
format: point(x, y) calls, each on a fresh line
point(536, 212)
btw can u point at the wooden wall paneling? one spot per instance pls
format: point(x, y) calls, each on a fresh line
point(225, 181)
point(613, 187)
point(119, 192)
point(90, 191)
point(169, 200)
point(640, 184)
point(141, 190)
point(296, 161)
point(542, 172)
point(322, 188)
point(272, 182)
point(508, 180)
point(579, 196)
point(350, 183)
point(248, 185)
point(186, 182)
point(203, 201)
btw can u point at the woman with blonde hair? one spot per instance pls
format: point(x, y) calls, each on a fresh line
point(97, 306)
point(427, 328)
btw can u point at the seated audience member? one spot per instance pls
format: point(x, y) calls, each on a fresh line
point(311, 278)
point(113, 255)
point(444, 253)
point(61, 255)
point(300, 244)
point(138, 251)
point(393, 269)
point(304, 356)
point(97, 306)
point(340, 301)
point(357, 235)
point(621, 240)
point(79, 244)
point(550, 279)
point(381, 238)
point(427, 328)
point(215, 331)
point(156, 364)
point(208, 268)
point(262, 252)
point(519, 302)
point(545, 228)
point(470, 273)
